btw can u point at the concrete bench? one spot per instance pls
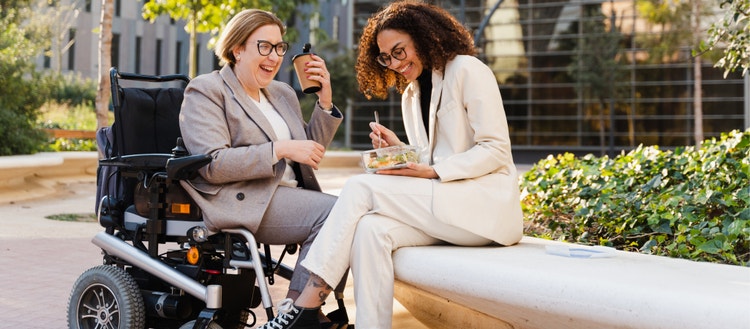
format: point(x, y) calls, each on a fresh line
point(526, 286)
point(30, 176)
point(24, 177)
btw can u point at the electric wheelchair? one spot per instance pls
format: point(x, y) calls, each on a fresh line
point(161, 267)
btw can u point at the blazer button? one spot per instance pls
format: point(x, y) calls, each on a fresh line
point(240, 196)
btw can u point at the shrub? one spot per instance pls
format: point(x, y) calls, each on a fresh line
point(74, 90)
point(23, 89)
point(683, 203)
point(72, 144)
point(54, 115)
point(17, 135)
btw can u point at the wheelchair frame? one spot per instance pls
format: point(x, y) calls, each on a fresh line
point(211, 278)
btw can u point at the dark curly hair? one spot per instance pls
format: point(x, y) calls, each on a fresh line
point(438, 37)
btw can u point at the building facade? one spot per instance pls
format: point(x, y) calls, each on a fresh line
point(575, 75)
point(543, 53)
point(138, 46)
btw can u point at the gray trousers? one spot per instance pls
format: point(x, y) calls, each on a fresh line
point(295, 216)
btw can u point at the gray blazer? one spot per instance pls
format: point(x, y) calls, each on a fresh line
point(218, 118)
point(469, 148)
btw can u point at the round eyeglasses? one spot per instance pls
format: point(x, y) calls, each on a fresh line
point(397, 53)
point(265, 48)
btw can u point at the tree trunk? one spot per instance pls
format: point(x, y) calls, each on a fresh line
point(698, 78)
point(105, 62)
point(602, 124)
point(193, 58)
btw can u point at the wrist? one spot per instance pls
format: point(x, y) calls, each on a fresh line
point(326, 106)
point(278, 150)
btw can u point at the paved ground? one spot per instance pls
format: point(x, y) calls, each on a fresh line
point(40, 258)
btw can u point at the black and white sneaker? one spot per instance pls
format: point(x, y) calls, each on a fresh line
point(291, 317)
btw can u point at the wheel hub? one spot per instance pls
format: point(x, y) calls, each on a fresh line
point(99, 305)
point(103, 315)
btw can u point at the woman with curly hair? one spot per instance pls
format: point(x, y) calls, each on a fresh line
point(464, 191)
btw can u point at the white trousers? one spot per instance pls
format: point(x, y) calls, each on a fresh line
point(373, 216)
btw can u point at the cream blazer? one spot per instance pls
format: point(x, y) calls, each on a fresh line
point(469, 148)
point(218, 118)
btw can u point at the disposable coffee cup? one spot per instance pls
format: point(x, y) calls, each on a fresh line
point(299, 60)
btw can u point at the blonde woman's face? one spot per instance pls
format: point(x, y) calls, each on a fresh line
point(398, 52)
point(257, 69)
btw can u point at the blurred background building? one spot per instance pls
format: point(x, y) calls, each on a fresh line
point(575, 75)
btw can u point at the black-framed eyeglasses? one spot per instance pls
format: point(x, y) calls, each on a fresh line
point(397, 53)
point(265, 47)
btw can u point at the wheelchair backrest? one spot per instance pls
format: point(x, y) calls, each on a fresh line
point(146, 120)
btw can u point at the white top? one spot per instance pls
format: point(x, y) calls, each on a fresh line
point(282, 132)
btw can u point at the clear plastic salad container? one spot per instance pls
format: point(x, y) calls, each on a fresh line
point(392, 157)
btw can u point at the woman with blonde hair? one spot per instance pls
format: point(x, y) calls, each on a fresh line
point(264, 153)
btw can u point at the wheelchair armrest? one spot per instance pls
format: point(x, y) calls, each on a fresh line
point(138, 162)
point(186, 167)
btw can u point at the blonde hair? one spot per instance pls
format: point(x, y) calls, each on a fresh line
point(239, 28)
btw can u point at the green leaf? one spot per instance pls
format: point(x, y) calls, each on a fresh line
point(711, 246)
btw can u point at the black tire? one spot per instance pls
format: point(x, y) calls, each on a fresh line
point(189, 325)
point(106, 297)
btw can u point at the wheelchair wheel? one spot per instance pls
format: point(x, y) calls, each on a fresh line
point(190, 325)
point(106, 297)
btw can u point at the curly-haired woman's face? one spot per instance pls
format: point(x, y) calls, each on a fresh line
point(398, 52)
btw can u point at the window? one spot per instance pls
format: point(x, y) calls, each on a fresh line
point(138, 55)
point(115, 50)
point(197, 55)
point(217, 64)
point(335, 28)
point(158, 57)
point(47, 59)
point(314, 24)
point(72, 49)
point(178, 57)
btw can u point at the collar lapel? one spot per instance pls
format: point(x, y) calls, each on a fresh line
point(437, 91)
point(240, 96)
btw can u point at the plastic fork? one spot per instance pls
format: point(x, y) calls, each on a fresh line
point(377, 121)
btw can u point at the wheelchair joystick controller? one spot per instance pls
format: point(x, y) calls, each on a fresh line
point(179, 150)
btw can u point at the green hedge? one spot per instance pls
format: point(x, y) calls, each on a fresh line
point(683, 203)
